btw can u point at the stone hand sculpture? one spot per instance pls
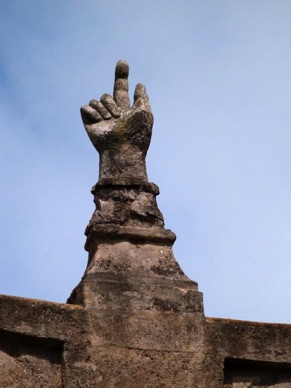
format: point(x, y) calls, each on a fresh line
point(120, 133)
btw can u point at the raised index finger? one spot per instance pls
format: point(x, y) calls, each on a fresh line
point(120, 91)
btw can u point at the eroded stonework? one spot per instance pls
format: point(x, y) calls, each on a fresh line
point(135, 319)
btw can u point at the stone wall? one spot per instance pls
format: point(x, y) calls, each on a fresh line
point(62, 345)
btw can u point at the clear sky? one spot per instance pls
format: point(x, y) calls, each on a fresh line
point(218, 74)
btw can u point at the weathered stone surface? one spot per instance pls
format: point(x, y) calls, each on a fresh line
point(248, 354)
point(120, 134)
point(134, 206)
point(135, 319)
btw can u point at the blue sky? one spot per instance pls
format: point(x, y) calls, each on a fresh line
point(219, 81)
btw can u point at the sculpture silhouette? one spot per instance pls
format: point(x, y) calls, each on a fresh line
point(120, 133)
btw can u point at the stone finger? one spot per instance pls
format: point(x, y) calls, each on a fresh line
point(120, 91)
point(140, 92)
point(110, 105)
point(100, 109)
point(90, 115)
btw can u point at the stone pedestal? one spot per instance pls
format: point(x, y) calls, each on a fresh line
point(145, 314)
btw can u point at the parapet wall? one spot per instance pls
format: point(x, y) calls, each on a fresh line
point(54, 345)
